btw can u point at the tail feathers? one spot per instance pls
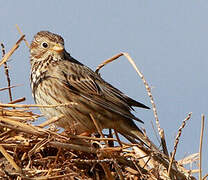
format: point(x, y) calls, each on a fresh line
point(134, 136)
point(132, 102)
point(130, 131)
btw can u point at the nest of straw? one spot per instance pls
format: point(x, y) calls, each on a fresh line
point(41, 151)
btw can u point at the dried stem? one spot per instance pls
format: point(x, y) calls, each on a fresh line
point(36, 105)
point(20, 32)
point(97, 126)
point(17, 101)
point(6, 70)
point(73, 146)
point(2, 89)
point(108, 61)
point(9, 158)
point(104, 165)
point(177, 141)
point(50, 121)
point(7, 55)
point(118, 139)
point(200, 147)
point(148, 91)
point(204, 178)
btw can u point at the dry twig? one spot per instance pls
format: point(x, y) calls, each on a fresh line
point(177, 141)
point(200, 147)
point(6, 70)
point(36, 105)
point(7, 55)
point(20, 32)
point(9, 158)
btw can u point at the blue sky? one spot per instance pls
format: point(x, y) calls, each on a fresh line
point(167, 40)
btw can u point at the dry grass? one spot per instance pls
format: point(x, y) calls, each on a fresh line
point(35, 152)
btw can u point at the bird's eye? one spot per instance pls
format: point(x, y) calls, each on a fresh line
point(44, 44)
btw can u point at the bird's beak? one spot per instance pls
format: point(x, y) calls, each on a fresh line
point(58, 48)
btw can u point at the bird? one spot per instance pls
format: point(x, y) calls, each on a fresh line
point(58, 78)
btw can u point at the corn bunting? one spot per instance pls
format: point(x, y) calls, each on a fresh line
point(58, 78)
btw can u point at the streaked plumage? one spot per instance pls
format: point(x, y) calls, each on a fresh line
point(57, 78)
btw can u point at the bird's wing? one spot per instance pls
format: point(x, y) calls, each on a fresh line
point(83, 81)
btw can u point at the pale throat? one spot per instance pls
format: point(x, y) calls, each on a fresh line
point(56, 55)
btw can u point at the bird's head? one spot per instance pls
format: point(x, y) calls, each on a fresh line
point(46, 44)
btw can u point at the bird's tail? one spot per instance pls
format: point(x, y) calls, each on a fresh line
point(130, 131)
point(142, 138)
